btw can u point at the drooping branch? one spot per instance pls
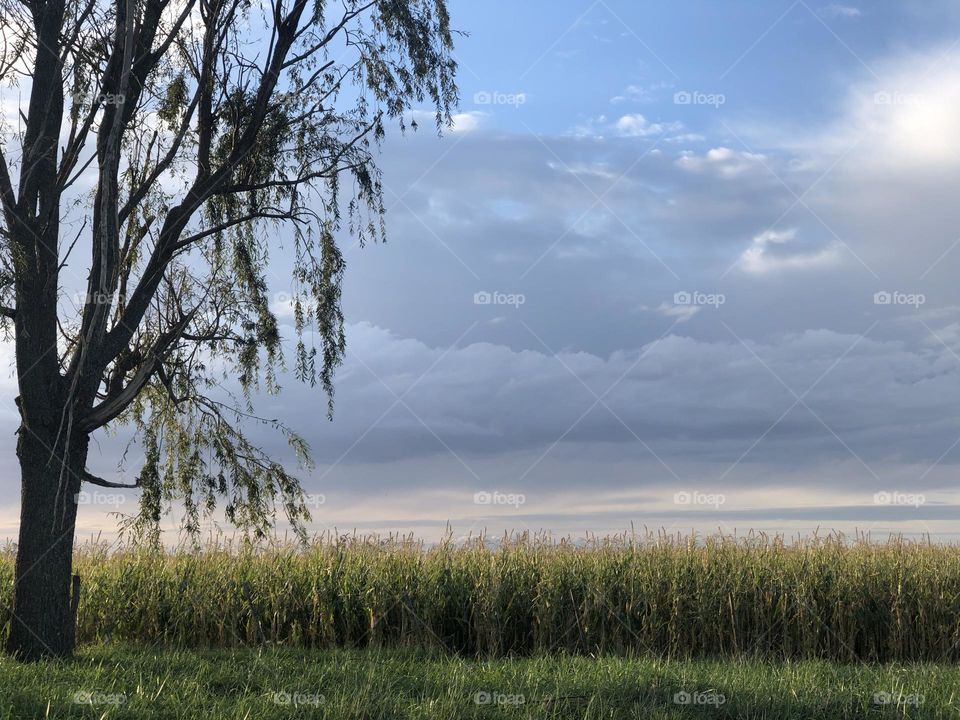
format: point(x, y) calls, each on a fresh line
point(203, 187)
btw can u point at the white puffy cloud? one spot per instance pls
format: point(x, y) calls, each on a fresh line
point(774, 251)
point(633, 125)
point(721, 161)
point(636, 125)
point(468, 121)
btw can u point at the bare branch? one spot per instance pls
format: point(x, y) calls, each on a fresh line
point(94, 480)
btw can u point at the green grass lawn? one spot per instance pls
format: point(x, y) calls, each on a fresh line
point(128, 682)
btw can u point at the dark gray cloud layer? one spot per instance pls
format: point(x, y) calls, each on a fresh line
point(587, 314)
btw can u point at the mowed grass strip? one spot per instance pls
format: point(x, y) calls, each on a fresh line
point(670, 597)
point(108, 683)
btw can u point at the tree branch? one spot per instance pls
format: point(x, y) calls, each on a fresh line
point(94, 480)
point(203, 187)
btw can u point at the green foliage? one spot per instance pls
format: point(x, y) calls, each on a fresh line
point(173, 104)
point(287, 158)
point(218, 132)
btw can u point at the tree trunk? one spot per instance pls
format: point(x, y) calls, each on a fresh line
point(42, 623)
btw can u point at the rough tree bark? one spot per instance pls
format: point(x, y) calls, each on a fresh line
point(42, 623)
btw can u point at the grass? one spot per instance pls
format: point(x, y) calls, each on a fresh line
point(115, 682)
point(669, 597)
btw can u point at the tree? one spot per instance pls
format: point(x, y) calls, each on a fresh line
point(171, 139)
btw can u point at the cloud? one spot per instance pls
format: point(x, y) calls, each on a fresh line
point(839, 11)
point(638, 93)
point(492, 388)
point(468, 121)
point(721, 161)
point(463, 122)
point(636, 125)
point(681, 312)
point(879, 175)
point(686, 398)
point(685, 138)
point(900, 119)
point(908, 119)
point(631, 125)
point(776, 251)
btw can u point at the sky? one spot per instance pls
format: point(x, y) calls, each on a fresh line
point(685, 266)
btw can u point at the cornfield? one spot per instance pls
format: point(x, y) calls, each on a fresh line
point(669, 596)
